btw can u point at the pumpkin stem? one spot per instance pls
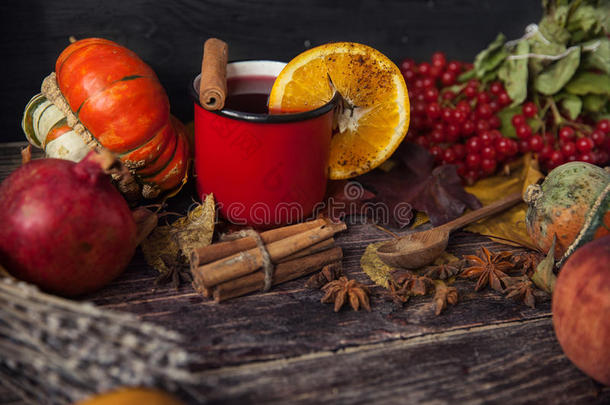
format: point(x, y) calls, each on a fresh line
point(532, 194)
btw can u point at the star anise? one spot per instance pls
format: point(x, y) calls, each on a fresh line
point(343, 289)
point(330, 272)
point(177, 271)
point(522, 289)
point(442, 271)
point(490, 268)
point(527, 262)
point(406, 284)
point(444, 295)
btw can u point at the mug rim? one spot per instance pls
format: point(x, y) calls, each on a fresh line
point(264, 118)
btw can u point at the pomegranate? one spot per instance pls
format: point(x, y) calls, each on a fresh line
point(572, 203)
point(581, 308)
point(65, 227)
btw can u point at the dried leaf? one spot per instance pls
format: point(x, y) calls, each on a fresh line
point(179, 238)
point(197, 228)
point(545, 277)
point(146, 222)
point(3, 272)
point(436, 191)
point(413, 182)
point(26, 155)
point(374, 267)
point(345, 198)
point(510, 224)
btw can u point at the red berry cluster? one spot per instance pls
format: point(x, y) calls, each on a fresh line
point(457, 123)
point(573, 142)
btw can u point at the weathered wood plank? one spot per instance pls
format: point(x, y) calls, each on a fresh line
point(286, 345)
point(8, 397)
point(291, 318)
point(518, 362)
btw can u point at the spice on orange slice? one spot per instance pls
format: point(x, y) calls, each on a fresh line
point(372, 115)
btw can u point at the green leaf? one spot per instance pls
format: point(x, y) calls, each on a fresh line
point(599, 117)
point(490, 57)
point(540, 47)
point(586, 19)
point(594, 102)
point(535, 124)
point(553, 78)
point(552, 26)
point(583, 17)
point(600, 57)
point(544, 277)
point(464, 77)
point(506, 126)
point(514, 74)
point(456, 88)
point(494, 60)
point(572, 105)
point(604, 10)
point(588, 82)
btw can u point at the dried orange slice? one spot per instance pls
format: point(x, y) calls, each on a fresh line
point(373, 113)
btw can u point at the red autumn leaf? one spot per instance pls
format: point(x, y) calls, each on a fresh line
point(436, 191)
point(345, 198)
point(389, 198)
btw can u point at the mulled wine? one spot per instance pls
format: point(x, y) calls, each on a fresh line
point(249, 93)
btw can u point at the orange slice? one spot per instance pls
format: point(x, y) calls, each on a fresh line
point(373, 113)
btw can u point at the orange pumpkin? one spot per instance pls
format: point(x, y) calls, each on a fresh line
point(120, 100)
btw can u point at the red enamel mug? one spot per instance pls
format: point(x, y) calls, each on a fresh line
point(264, 170)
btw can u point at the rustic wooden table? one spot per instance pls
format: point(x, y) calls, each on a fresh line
point(287, 347)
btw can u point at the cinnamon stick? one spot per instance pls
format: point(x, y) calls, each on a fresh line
point(213, 82)
point(285, 271)
point(240, 264)
point(318, 247)
point(216, 251)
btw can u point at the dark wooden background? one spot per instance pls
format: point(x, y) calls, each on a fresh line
point(169, 34)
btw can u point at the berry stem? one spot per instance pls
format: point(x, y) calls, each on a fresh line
point(556, 115)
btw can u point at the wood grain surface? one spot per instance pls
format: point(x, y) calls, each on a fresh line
point(286, 347)
point(169, 35)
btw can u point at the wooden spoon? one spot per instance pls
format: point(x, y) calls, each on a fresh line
point(421, 248)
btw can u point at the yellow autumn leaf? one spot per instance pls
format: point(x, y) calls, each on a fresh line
point(381, 273)
point(177, 240)
point(509, 226)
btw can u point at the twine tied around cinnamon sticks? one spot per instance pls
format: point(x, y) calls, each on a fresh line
point(267, 264)
point(238, 266)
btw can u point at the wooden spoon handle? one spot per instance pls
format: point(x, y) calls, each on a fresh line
point(490, 209)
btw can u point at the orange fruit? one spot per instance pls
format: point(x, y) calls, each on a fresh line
point(372, 116)
point(132, 396)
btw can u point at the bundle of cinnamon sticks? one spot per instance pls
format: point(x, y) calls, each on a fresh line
point(233, 268)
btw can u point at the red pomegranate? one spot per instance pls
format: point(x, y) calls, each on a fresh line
point(64, 226)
